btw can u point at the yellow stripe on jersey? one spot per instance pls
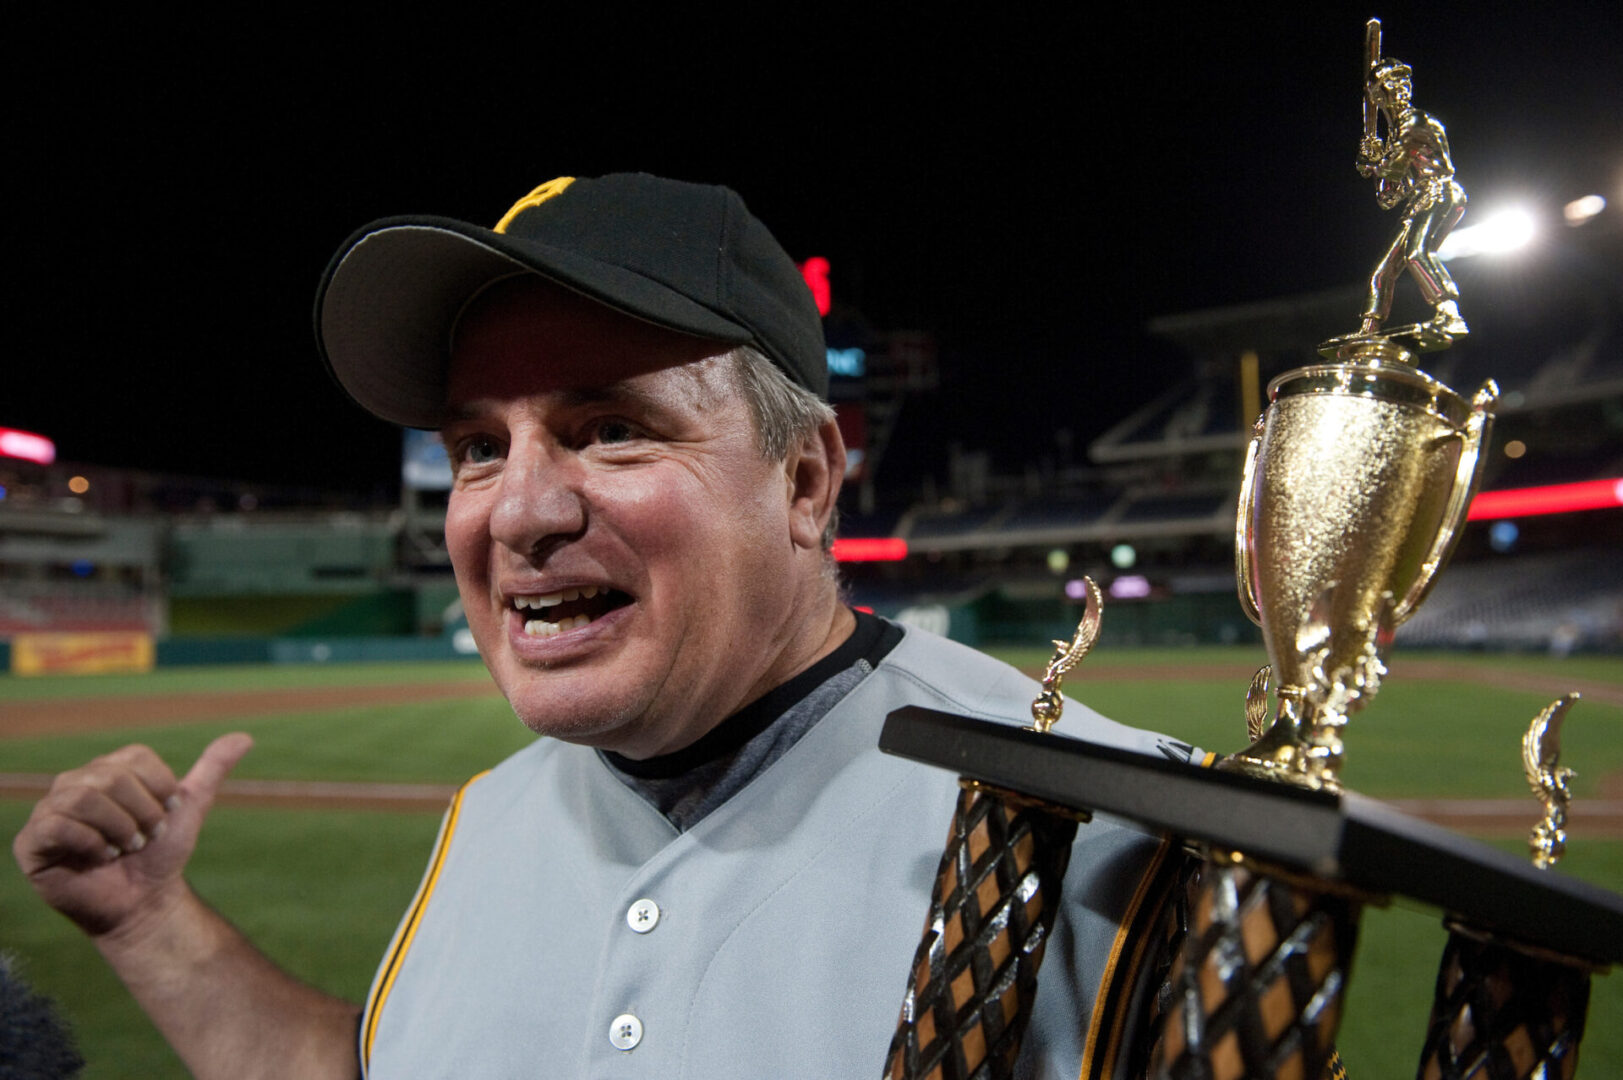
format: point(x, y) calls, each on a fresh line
point(1094, 1055)
point(408, 929)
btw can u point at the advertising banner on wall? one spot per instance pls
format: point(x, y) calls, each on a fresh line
point(81, 654)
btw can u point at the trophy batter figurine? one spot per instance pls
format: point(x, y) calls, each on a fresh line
point(1412, 169)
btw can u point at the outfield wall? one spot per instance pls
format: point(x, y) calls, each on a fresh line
point(203, 651)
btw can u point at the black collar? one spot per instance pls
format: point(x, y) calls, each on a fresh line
point(870, 641)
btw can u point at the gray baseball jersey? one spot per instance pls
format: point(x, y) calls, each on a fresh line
point(565, 928)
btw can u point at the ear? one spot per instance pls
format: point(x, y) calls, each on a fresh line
point(814, 472)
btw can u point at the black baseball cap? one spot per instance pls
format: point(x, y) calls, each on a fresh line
point(687, 257)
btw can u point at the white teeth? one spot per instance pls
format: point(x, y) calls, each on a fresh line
point(543, 628)
point(553, 599)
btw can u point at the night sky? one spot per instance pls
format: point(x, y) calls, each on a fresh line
point(1030, 187)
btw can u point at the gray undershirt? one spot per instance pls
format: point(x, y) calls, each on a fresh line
point(686, 799)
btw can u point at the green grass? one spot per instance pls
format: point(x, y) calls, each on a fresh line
point(321, 891)
point(237, 677)
point(1607, 669)
point(443, 741)
point(1245, 659)
point(1415, 740)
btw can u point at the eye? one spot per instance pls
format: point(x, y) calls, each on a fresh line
point(476, 450)
point(611, 430)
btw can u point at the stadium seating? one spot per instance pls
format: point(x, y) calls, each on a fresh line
point(1562, 602)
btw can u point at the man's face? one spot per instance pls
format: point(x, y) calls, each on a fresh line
point(621, 547)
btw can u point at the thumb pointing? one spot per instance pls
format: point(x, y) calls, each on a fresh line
point(217, 759)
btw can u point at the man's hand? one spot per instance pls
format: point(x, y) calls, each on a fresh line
point(110, 840)
point(107, 847)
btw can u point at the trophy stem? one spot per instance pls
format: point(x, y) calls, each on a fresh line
point(1322, 747)
point(1303, 747)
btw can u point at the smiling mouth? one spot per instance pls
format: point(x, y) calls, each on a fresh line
point(546, 614)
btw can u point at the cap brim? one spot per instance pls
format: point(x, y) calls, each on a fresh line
point(391, 298)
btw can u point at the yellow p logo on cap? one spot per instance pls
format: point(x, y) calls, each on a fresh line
point(534, 198)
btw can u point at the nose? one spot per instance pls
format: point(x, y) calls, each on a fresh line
point(539, 501)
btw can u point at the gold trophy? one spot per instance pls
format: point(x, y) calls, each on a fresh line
point(1355, 490)
point(1361, 469)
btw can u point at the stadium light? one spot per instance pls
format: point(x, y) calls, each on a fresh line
point(1508, 230)
point(1578, 211)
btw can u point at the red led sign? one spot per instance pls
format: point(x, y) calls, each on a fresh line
point(815, 271)
point(1554, 499)
point(27, 446)
point(870, 549)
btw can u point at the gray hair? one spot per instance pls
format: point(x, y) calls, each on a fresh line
point(784, 413)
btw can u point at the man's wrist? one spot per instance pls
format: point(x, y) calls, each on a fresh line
point(163, 921)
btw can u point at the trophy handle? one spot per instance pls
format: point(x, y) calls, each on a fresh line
point(1466, 478)
point(1242, 526)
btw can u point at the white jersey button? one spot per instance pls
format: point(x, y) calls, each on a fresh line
point(626, 1031)
point(643, 916)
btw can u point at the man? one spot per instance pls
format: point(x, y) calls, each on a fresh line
point(706, 868)
point(1412, 167)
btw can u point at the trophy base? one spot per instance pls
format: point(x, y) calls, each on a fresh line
point(1392, 343)
point(1291, 768)
point(1286, 754)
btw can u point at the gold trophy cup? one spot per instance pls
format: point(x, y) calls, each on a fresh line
point(1356, 485)
point(1360, 472)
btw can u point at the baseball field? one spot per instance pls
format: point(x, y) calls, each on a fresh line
point(323, 829)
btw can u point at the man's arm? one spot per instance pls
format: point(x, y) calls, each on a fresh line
point(107, 847)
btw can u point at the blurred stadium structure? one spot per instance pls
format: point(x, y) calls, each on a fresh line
point(215, 570)
point(1152, 514)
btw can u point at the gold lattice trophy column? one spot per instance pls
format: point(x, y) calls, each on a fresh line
point(1260, 967)
point(992, 908)
point(1258, 987)
point(1355, 489)
point(1504, 1010)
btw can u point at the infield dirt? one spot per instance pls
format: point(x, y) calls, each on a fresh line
point(19, 719)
